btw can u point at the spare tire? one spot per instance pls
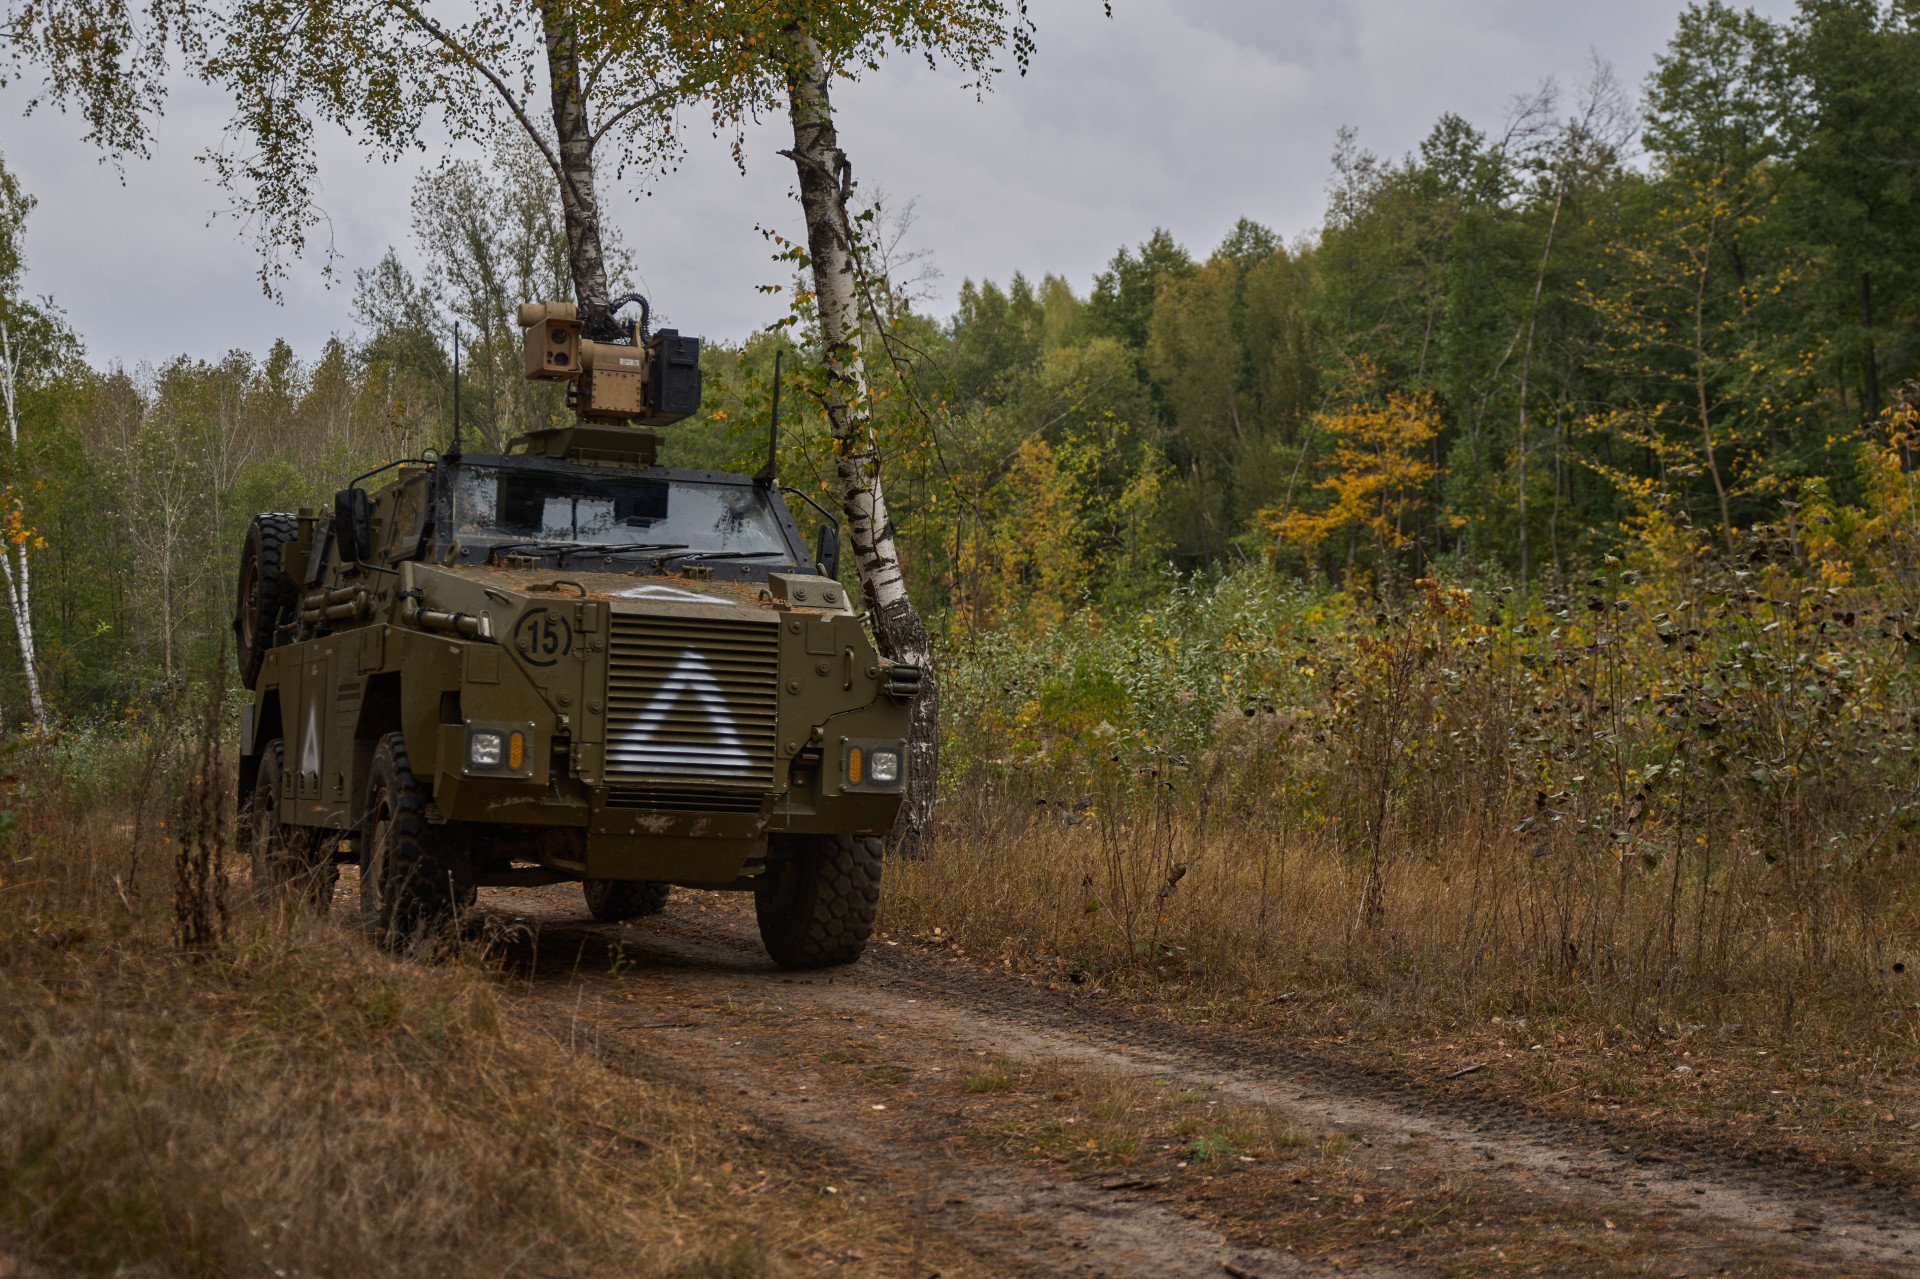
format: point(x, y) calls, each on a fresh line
point(266, 591)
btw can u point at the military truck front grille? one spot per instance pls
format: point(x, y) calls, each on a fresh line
point(670, 799)
point(693, 700)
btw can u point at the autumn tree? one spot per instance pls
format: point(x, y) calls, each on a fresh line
point(1715, 111)
point(1058, 485)
point(1030, 564)
point(492, 237)
point(1694, 334)
point(1375, 473)
point(1122, 301)
point(1195, 354)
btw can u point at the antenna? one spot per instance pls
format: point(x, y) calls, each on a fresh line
point(453, 454)
point(771, 469)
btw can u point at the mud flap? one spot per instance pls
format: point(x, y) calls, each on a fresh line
point(249, 769)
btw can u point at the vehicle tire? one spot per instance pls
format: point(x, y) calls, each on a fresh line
point(614, 901)
point(291, 864)
point(415, 880)
point(817, 902)
point(265, 593)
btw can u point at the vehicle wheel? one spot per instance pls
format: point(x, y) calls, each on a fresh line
point(613, 901)
point(817, 903)
point(290, 863)
point(265, 594)
point(414, 879)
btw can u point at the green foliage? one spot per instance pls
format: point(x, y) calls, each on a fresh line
point(1680, 742)
point(1123, 297)
point(1161, 677)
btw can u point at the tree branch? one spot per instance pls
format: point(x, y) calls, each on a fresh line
point(467, 56)
point(652, 99)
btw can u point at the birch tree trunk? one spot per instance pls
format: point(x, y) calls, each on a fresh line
point(579, 202)
point(825, 177)
point(14, 567)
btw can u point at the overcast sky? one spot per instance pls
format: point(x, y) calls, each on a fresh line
point(1186, 114)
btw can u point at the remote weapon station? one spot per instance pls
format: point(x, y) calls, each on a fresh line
point(567, 662)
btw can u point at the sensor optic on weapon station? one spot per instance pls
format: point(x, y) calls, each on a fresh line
point(643, 382)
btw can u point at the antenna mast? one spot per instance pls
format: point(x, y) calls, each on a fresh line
point(454, 452)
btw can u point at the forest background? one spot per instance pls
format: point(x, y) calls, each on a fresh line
point(1499, 357)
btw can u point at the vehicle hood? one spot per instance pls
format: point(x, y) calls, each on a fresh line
point(640, 592)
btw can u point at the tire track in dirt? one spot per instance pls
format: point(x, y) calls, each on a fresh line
point(1012, 1220)
point(692, 955)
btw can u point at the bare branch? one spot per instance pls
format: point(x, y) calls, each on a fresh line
point(651, 100)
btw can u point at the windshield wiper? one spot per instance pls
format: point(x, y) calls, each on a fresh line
point(534, 544)
point(560, 550)
point(727, 555)
point(623, 548)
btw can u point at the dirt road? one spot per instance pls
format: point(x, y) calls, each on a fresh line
point(1020, 1130)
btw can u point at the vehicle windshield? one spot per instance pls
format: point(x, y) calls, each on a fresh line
point(525, 505)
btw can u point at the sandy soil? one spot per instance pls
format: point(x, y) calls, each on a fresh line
point(1026, 1131)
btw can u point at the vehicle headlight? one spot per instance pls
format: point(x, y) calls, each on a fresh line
point(875, 765)
point(484, 749)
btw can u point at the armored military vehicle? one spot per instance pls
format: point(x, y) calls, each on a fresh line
point(568, 662)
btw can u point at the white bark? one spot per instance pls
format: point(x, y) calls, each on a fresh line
point(572, 161)
point(825, 178)
point(14, 564)
point(579, 202)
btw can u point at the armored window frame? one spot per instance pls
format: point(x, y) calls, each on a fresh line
point(445, 530)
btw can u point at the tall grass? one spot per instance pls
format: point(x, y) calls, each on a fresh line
point(276, 1097)
point(1684, 787)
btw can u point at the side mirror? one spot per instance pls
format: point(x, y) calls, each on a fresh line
point(352, 525)
point(826, 550)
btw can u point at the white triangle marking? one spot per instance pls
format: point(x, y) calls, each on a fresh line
point(723, 750)
point(310, 740)
point(656, 591)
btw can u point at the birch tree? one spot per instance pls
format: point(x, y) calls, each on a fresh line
point(817, 47)
point(763, 58)
point(825, 177)
point(19, 538)
point(386, 72)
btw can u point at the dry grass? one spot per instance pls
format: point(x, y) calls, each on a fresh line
point(1793, 1040)
point(1225, 905)
point(291, 1102)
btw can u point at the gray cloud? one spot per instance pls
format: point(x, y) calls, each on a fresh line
point(1180, 113)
